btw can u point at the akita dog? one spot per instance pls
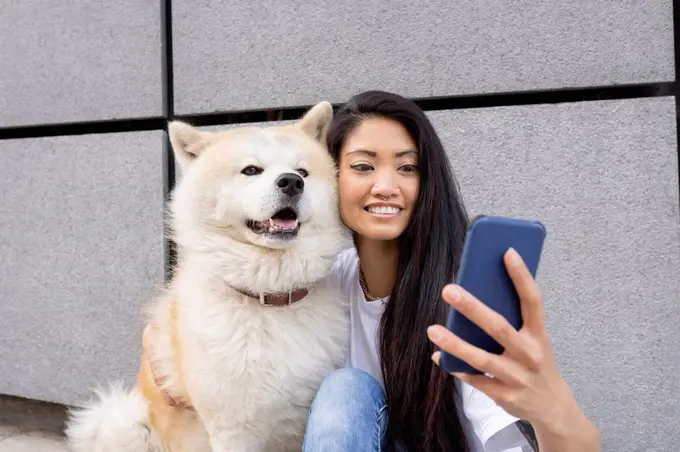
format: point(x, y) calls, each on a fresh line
point(251, 322)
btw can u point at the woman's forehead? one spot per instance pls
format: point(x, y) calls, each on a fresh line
point(379, 136)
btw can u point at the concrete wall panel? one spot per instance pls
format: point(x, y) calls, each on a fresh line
point(249, 55)
point(79, 61)
point(81, 247)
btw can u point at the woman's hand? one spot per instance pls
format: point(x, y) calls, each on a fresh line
point(526, 381)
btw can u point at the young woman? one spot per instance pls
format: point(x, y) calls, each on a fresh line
point(398, 195)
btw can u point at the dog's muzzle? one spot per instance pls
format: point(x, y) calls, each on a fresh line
point(290, 184)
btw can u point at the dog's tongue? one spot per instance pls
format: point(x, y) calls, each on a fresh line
point(282, 224)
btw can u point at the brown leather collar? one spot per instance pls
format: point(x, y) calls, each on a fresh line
point(277, 299)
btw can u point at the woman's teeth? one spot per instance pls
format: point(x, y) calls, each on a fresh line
point(384, 210)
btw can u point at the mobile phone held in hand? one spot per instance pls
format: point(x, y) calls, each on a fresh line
point(483, 274)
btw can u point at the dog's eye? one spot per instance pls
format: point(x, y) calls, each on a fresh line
point(251, 170)
point(303, 172)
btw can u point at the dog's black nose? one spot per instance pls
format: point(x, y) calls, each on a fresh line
point(290, 183)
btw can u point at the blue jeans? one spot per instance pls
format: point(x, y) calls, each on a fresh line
point(348, 414)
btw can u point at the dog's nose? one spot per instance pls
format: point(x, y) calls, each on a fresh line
point(290, 183)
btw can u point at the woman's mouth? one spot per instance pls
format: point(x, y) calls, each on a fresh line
point(383, 211)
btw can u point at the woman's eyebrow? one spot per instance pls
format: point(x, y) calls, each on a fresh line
point(363, 151)
point(407, 152)
point(375, 154)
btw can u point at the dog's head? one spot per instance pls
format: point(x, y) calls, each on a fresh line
point(258, 198)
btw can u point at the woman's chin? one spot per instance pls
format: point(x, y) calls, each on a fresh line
point(381, 232)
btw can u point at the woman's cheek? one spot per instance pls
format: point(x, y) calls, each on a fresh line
point(346, 214)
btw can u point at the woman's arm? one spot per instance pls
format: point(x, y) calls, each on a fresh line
point(574, 432)
point(526, 382)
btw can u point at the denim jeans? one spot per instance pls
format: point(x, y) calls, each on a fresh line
point(348, 414)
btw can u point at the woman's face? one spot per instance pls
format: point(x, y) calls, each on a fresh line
point(378, 179)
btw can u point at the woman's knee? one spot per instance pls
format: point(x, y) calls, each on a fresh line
point(348, 413)
point(342, 386)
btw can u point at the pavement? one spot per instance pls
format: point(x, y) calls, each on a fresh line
point(31, 426)
point(16, 439)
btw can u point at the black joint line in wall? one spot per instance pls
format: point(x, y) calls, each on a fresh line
point(168, 111)
point(547, 96)
point(453, 102)
point(245, 116)
point(83, 128)
point(166, 59)
point(676, 42)
point(292, 113)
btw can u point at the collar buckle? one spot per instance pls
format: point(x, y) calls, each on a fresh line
point(263, 299)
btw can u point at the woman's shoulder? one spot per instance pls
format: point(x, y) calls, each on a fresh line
point(345, 267)
point(495, 428)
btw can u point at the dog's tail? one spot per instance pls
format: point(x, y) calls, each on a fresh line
point(117, 422)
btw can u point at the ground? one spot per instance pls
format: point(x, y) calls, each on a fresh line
point(31, 426)
point(15, 439)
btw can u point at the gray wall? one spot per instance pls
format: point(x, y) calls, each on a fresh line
point(81, 210)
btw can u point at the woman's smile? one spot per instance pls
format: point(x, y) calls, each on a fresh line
point(383, 210)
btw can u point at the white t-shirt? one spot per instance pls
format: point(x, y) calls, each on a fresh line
point(488, 427)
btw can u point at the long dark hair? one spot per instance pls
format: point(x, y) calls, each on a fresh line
point(421, 398)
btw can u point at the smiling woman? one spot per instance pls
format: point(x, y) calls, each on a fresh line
point(378, 178)
point(399, 197)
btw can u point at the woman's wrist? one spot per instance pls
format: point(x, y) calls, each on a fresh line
point(569, 429)
point(562, 422)
point(561, 419)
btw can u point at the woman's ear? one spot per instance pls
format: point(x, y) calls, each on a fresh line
point(316, 121)
point(187, 142)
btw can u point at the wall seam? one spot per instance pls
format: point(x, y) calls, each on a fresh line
point(615, 92)
point(169, 252)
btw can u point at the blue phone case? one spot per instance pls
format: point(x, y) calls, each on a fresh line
point(483, 274)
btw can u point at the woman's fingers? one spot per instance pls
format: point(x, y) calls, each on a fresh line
point(533, 313)
point(500, 367)
point(493, 323)
point(147, 336)
point(492, 387)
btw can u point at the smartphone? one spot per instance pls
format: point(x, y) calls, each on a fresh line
point(482, 273)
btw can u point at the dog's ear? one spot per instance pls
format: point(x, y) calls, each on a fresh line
point(316, 121)
point(187, 142)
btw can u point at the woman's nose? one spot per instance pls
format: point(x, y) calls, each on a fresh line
point(385, 185)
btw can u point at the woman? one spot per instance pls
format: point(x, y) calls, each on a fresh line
point(398, 195)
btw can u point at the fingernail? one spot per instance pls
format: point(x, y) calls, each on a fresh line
point(433, 332)
point(513, 256)
point(453, 293)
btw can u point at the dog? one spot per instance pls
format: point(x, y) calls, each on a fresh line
point(251, 320)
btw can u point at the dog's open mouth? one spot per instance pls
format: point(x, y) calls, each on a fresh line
point(283, 223)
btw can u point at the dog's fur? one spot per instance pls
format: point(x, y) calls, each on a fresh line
point(248, 372)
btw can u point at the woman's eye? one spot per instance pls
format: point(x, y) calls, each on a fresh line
point(251, 170)
point(409, 168)
point(302, 172)
point(362, 167)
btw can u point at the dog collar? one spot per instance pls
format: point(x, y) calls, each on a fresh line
point(277, 299)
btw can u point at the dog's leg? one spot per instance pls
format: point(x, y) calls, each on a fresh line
point(236, 443)
point(225, 432)
point(232, 438)
point(253, 438)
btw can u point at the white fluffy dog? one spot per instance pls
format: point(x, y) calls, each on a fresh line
point(250, 323)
